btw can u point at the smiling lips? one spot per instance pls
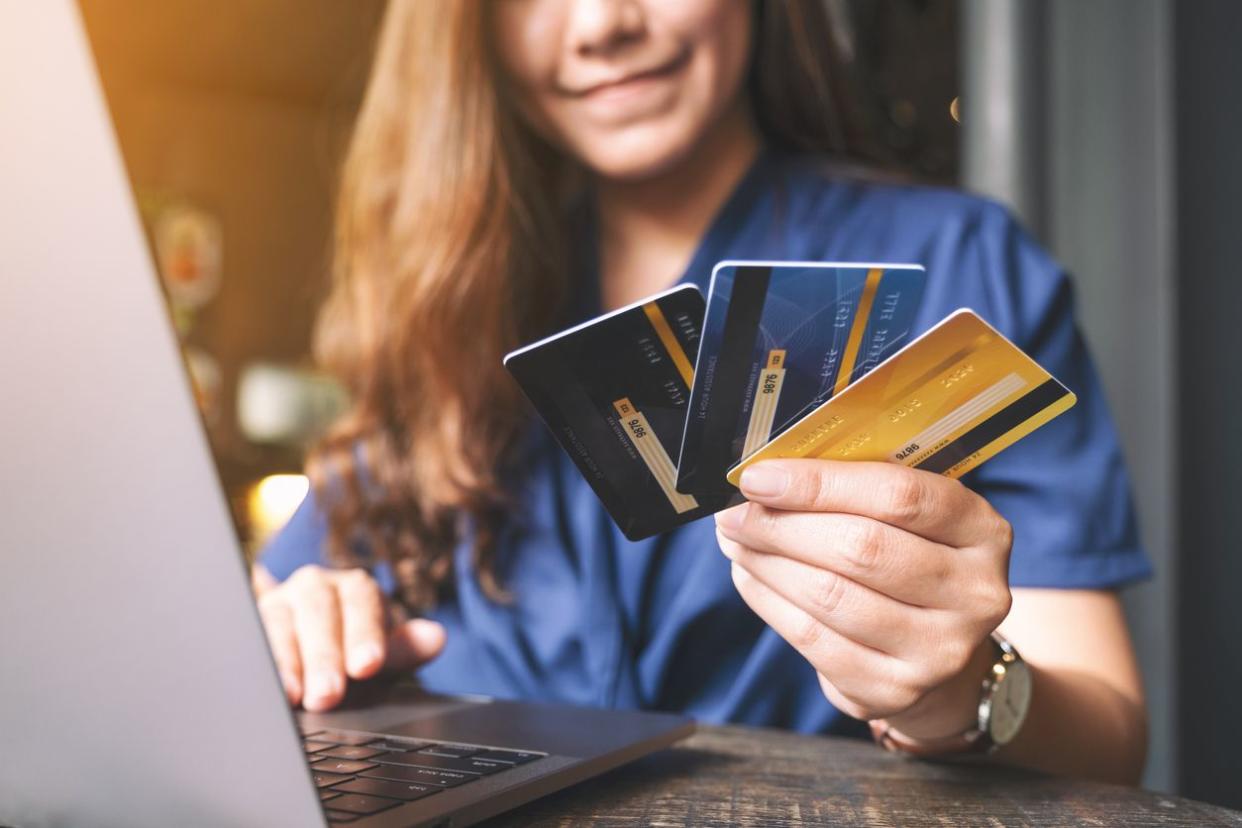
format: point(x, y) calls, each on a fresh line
point(627, 81)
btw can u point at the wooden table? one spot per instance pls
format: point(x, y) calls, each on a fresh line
point(750, 777)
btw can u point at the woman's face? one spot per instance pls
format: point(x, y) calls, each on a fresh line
point(629, 87)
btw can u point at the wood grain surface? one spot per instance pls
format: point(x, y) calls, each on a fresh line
point(752, 777)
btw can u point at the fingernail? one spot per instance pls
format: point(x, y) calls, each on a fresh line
point(364, 657)
point(764, 480)
point(731, 519)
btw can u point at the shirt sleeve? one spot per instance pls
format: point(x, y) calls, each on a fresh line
point(1064, 488)
point(303, 541)
point(300, 542)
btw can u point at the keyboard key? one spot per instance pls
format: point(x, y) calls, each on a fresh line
point(363, 805)
point(407, 791)
point(340, 816)
point(429, 760)
point(516, 757)
point(341, 737)
point(351, 752)
point(454, 751)
point(397, 744)
point(323, 780)
point(423, 776)
point(349, 766)
point(485, 767)
point(325, 795)
point(313, 746)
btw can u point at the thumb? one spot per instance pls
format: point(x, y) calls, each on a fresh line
point(413, 642)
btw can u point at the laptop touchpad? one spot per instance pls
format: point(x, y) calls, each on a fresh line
point(380, 706)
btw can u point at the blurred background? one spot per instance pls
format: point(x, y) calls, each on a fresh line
point(1108, 126)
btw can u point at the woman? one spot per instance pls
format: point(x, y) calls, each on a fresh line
point(523, 164)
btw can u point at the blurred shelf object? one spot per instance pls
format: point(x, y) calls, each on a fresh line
point(205, 380)
point(278, 405)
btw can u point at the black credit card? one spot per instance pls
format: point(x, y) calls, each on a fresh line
point(614, 392)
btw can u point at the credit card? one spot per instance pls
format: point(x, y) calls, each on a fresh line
point(779, 338)
point(951, 399)
point(614, 392)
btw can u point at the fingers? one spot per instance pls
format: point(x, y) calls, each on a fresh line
point(278, 623)
point(317, 623)
point(850, 609)
point(327, 626)
point(261, 581)
point(362, 620)
point(412, 643)
point(929, 505)
point(868, 683)
point(884, 578)
point(887, 559)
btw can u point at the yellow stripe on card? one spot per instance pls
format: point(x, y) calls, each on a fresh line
point(767, 395)
point(653, 454)
point(852, 345)
point(662, 329)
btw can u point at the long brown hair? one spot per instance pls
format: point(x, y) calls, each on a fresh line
point(448, 254)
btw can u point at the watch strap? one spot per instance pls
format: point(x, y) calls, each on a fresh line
point(973, 741)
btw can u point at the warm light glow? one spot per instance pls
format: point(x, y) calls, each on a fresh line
point(272, 501)
point(955, 110)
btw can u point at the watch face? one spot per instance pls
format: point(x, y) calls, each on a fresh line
point(1010, 703)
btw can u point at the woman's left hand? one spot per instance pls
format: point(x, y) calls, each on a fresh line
point(888, 580)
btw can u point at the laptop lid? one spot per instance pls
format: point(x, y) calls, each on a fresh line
point(135, 682)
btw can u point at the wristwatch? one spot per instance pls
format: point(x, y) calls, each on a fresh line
point(1004, 700)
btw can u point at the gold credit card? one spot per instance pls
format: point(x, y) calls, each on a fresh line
point(951, 399)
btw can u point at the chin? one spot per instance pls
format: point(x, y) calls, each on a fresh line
point(637, 153)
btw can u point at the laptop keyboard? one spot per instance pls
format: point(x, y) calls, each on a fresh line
point(359, 774)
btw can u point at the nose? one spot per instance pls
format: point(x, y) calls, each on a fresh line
point(597, 27)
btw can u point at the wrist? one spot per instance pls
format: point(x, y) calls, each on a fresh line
point(953, 707)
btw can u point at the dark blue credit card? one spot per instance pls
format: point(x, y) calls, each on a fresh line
point(779, 339)
point(614, 392)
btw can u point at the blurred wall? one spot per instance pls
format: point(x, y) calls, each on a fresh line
point(1068, 116)
point(1130, 117)
point(1208, 114)
point(1110, 217)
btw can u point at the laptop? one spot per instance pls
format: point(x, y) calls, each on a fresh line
point(136, 687)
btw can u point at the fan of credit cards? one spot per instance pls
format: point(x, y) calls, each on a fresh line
point(784, 359)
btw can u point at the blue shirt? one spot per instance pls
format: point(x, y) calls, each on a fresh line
point(599, 620)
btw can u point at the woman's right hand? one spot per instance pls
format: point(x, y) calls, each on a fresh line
point(326, 626)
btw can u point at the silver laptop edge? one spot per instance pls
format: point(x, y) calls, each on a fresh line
point(126, 624)
point(136, 688)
